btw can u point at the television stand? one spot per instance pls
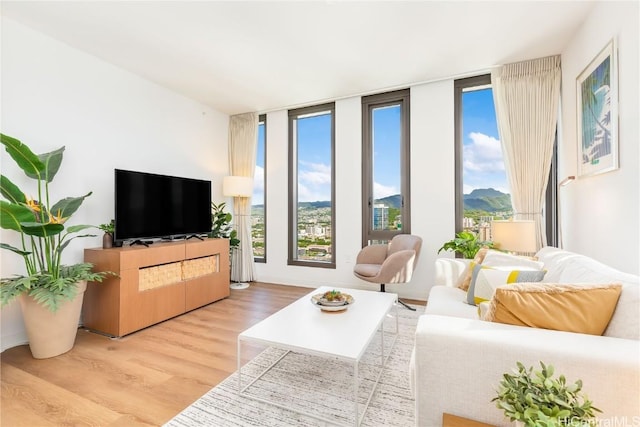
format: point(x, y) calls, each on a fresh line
point(194, 236)
point(153, 284)
point(145, 243)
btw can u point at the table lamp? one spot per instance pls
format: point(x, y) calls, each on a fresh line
point(517, 236)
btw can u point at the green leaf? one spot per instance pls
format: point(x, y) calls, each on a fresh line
point(76, 228)
point(14, 286)
point(66, 243)
point(10, 191)
point(23, 156)
point(67, 206)
point(41, 230)
point(14, 249)
point(51, 161)
point(13, 215)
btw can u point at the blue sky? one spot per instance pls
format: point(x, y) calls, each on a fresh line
point(483, 165)
point(482, 154)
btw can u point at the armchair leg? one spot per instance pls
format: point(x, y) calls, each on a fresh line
point(406, 305)
point(399, 300)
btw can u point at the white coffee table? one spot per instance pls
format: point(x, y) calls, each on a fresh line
point(302, 328)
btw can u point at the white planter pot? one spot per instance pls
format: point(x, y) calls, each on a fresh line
point(518, 424)
point(51, 334)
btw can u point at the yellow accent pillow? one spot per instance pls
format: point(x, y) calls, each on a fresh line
point(583, 308)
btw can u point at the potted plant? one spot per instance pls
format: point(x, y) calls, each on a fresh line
point(50, 293)
point(536, 399)
point(107, 239)
point(221, 225)
point(465, 243)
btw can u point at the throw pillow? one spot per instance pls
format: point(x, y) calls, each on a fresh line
point(485, 280)
point(464, 284)
point(502, 259)
point(583, 308)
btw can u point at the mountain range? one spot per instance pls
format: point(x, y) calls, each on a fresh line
point(485, 199)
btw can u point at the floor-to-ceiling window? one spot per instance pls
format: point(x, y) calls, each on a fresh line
point(312, 186)
point(482, 187)
point(259, 199)
point(385, 173)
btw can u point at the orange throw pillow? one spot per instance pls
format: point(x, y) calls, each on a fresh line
point(583, 308)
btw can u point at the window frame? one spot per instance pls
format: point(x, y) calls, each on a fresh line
point(369, 103)
point(293, 187)
point(262, 118)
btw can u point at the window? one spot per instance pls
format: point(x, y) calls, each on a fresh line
point(481, 179)
point(312, 186)
point(385, 172)
point(482, 188)
point(259, 199)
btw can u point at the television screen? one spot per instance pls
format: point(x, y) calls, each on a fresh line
point(149, 206)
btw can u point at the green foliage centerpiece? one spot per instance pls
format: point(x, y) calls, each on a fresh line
point(536, 399)
point(465, 243)
point(43, 235)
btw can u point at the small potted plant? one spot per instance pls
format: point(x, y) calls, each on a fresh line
point(465, 243)
point(221, 225)
point(536, 399)
point(50, 293)
point(107, 238)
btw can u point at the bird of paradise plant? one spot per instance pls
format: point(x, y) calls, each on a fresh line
point(42, 229)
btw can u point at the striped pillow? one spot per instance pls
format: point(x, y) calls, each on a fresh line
point(485, 280)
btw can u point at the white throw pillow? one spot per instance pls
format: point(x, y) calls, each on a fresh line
point(495, 258)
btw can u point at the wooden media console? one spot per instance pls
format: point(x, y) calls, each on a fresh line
point(154, 283)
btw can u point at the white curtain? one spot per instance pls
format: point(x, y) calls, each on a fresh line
point(526, 96)
point(243, 144)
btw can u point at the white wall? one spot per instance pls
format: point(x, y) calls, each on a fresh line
point(601, 213)
point(432, 192)
point(53, 95)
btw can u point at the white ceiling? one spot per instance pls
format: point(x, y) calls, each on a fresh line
point(239, 56)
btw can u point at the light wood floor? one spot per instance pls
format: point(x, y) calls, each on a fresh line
point(143, 379)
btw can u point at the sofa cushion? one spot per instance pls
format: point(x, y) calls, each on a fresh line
point(625, 322)
point(485, 280)
point(582, 308)
point(448, 301)
point(554, 260)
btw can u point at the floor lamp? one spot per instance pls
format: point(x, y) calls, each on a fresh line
point(238, 187)
point(568, 180)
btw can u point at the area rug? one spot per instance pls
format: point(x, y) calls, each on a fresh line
point(318, 386)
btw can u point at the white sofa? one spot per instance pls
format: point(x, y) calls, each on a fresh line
point(459, 360)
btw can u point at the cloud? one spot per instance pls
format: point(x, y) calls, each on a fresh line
point(483, 154)
point(314, 182)
point(258, 186)
point(314, 173)
point(380, 191)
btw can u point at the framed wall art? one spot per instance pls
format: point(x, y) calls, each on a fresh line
point(597, 107)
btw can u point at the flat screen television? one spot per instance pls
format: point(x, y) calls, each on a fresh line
point(160, 206)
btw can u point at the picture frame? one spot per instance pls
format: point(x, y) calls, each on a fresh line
point(597, 113)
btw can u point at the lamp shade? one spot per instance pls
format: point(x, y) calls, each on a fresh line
point(237, 186)
point(515, 236)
